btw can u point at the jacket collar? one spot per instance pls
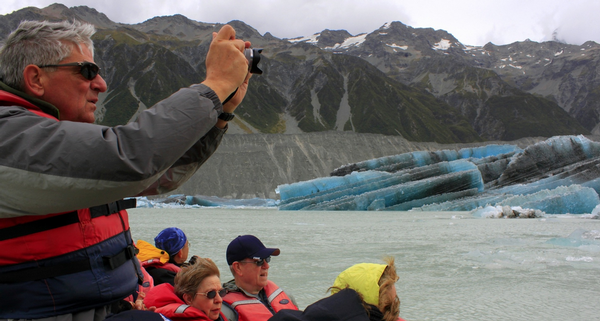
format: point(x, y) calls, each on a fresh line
point(42, 105)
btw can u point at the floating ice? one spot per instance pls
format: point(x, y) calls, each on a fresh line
point(391, 189)
point(583, 239)
point(506, 212)
point(558, 176)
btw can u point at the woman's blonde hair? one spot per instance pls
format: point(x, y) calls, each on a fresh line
point(368, 278)
point(188, 279)
point(389, 306)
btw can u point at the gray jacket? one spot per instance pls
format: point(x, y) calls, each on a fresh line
point(49, 166)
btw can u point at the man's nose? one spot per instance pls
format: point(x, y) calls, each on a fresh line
point(99, 84)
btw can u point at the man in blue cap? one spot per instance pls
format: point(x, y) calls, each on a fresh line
point(161, 267)
point(250, 293)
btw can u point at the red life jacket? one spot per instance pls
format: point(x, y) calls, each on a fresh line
point(171, 306)
point(252, 309)
point(156, 263)
point(62, 263)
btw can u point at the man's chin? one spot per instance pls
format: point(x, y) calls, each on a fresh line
point(90, 118)
point(263, 281)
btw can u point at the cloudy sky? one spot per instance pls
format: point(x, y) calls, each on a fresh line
point(472, 22)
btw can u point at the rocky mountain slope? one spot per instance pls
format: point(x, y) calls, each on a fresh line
point(419, 84)
point(483, 82)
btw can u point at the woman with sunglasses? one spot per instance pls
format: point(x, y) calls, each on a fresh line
point(197, 294)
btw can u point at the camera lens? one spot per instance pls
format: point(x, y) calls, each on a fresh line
point(253, 56)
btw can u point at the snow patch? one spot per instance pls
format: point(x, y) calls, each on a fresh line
point(444, 44)
point(393, 45)
point(312, 39)
point(350, 42)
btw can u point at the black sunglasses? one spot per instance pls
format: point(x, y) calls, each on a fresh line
point(212, 294)
point(258, 262)
point(88, 70)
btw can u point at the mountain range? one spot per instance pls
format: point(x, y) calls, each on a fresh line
point(418, 83)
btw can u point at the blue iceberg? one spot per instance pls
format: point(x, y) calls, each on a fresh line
point(557, 176)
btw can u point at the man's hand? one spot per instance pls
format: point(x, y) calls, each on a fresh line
point(226, 65)
point(231, 105)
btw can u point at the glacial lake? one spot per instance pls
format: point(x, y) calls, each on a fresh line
point(451, 266)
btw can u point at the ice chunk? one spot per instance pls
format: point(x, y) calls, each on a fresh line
point(506, 212)
point(546, 156)
point(422, 158)
point(488, 150)
point(589, 239)
point(380, 183)
point(316, 185)
point(574, 199)
point(414, 190)
point(559, 175)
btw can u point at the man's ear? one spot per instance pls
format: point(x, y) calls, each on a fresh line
point(33, 81)
point(235, 266)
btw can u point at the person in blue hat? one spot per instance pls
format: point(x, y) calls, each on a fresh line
point(251, 294)
point(163, 260)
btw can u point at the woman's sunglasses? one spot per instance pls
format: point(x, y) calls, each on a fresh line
point(212, 294)
point(88, 70)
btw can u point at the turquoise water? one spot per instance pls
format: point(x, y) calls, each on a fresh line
point(451, 266)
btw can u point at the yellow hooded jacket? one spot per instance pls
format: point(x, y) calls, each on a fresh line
point(150, 252)
point(363, 278)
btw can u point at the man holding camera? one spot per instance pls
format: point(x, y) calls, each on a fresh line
point(68, 252)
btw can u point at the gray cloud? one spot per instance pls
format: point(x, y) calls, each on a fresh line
point(473, 22)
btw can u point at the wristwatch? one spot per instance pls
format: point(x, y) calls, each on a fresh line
point(226, 116)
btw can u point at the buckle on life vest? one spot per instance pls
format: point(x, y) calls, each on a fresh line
point(120, 258)
point(112, 208)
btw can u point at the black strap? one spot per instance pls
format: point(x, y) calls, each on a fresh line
point(63, 219)
point(111, 208)
point(45, 272)
point(229, 97)
point(55, 270)
point(38, 226)
point(120, 258)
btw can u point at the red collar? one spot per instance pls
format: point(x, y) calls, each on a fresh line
point(8, 99)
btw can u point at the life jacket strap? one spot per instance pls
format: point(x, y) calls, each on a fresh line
point(55, 270)
point(111, 208)
point(63, 219)
point(45, 272)
point(120, 258)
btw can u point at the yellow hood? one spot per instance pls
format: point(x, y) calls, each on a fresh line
point(363, 278)
point(149, 252)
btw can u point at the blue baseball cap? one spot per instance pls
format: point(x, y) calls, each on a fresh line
point(248, 246)
point(171, 240)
